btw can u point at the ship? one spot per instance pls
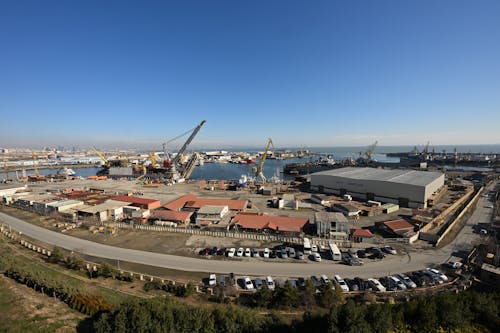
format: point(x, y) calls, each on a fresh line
point(66, 172)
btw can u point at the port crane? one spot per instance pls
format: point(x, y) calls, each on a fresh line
point(102, 157)
point(370, 150)
point(176, 161)
point(259, 173)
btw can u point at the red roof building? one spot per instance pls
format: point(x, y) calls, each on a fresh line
point(143, 203)
point(192, 202)
point(259, 222)
point(398, 227)
point(171, 216)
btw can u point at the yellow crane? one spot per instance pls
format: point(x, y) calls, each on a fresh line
point(35, 166)
point(259, 173)
point(102, 157)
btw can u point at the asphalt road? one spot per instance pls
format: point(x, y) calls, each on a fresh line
point(414, 260)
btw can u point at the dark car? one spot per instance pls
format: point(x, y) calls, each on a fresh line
point(221, 251)
point(272, 254)
point(213, 251)
point(301, 282)
point(377, 255)
point(362, 284)
point(388, 283)
point(352, 284)
point(204, 252)
point(361, 253)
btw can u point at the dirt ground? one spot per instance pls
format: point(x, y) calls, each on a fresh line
point(24, 307)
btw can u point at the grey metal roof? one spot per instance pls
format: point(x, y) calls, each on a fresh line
point(413, 177)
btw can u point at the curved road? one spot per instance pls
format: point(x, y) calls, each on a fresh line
point(415, 260)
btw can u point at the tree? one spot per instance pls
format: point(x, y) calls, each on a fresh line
point(380, 317)
point(308, 294)
point(106, 270)
point(285, 296)
point(74, 262)
point(352, 319)
point(331, 295)
point(56, 255)
point(263, 297)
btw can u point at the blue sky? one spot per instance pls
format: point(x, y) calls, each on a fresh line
point(306, 73)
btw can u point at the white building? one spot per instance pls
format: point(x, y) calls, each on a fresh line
point(407, 188)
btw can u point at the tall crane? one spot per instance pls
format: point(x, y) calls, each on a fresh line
point(426, 149)
point(102, 157)
point(259, 173)
point(35, 164)
point(177, 157)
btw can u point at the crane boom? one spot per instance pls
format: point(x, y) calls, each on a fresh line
point(370, 150)
point(188, 141)
point(101, 156)
point(260, 169)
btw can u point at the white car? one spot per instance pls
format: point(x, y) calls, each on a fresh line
point(248, 284)
point(314, 248)
point(266, 252)
point(324, 279)
point(247, 252)
point(212, 280)
point(342, 284)
point(437, 273)
point(316, 257)
point(291, 252)
point(240, 252)
point(255, 253)
point(270, 283)
point(231, 252)
point(376, 285)
point(300, 255)
point(389, 249)
point(454, 264)
point(406, 280)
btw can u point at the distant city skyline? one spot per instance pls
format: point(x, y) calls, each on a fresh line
point(327, 73)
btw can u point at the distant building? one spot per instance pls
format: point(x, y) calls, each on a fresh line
point(191, 202)
point(328, 223)
point(347, 210)
point(143, 203)
point(158, 216)
point(398, 227)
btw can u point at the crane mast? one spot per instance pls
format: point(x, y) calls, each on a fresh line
point(260, 169)
point(101, 156)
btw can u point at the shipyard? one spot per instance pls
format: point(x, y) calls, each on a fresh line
point(250, 166)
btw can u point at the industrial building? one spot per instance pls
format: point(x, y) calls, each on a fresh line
point(407, 188)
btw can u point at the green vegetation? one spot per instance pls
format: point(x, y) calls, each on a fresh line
point(176, 289)
point(465, 312)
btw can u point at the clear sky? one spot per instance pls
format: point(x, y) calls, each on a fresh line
point(306, 73)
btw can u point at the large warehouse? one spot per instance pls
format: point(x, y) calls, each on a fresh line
point(408, 188)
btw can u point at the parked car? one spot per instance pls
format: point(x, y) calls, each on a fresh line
point(231, 252)
point(247, 252)
point(352, 284)
point(316, 257)
point(437, 273)
point(399, 284)
point(204, 252)
point(255, 253)
point(301, 282)
point(212, 280)
point(291, 252)
point(363, 284)
point(377, 254)
point(324, 279)
point(389, 249)
point(213, 251)
point(272, 254)
point(433, 277)
point(314, 248)
point(316, 281)
point(406, 280)
point(454, 264)
point(270, 283)
point(300, 255)
point(341, 283)
point(240, 252)
point(258, 283)
point(266, 252)
point(248, 284)
point(221, 251)
point(376, 285)
point(421, 279)
point(283, 253)
point(353, 253)
point(361, 253)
